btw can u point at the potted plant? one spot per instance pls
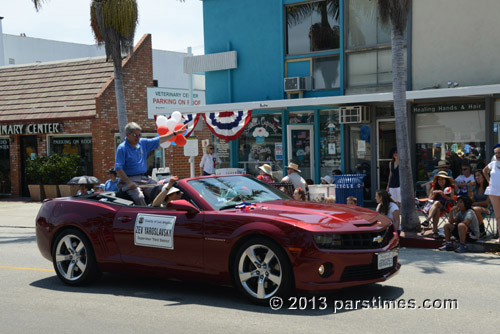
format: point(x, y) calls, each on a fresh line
point(34, 169)
point(68, 166)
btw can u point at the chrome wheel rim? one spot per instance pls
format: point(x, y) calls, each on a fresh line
point(71, 257)
point(260, 271)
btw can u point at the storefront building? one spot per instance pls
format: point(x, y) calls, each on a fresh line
point(69, 107)
point(317, 76)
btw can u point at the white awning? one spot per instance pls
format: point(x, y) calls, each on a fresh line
point(412, 96)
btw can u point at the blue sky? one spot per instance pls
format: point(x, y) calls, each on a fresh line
point(174, 25)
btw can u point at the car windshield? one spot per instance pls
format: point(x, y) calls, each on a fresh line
point(225, 192)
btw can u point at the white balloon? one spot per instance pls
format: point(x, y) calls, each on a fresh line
point(171, 123)
point(177, 116)
point(161, 121)
point(165, 144)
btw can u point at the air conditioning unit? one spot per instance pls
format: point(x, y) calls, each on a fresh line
point(294, 84)
point(354, 114)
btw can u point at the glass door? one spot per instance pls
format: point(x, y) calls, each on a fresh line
point(300, 140)
point(386, 139)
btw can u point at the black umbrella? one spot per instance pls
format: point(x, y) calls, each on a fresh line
point(84, 179)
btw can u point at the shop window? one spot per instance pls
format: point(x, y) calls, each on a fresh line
point(222, 150)
point(298, 117)
point(457, 137)
point(262, 142)
point(369, 59)
point(312, 26)
point(326, 72)
point(155, 159)
point(370, 68)
point(329, 141)
point(4, 166)
point(81, 145)
point(364, 26)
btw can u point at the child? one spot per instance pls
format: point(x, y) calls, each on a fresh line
point(299, 194)
point(351, 200)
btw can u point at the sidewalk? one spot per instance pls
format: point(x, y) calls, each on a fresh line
point(425, 240)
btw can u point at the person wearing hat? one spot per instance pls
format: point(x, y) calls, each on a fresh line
point(328, 179)
point(168, 193)
point(442, 165)
point(442, 192)
point(111, 183)
point(266, 173)
point(492, 174)
point(294, 177)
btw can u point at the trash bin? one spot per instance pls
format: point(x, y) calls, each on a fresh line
point(348, 185)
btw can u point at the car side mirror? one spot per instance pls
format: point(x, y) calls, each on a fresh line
point(182, 205)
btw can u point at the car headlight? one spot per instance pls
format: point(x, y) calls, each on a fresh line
point(327, 241)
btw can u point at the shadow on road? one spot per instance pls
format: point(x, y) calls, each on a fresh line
point(179, 293)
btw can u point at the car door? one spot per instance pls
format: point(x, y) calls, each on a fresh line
point(158, 238)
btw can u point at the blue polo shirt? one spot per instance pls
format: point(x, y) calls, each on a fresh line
point(133, 159)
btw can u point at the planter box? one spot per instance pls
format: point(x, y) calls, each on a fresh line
point(51, 190)
point(36, 192)
point(67, 190)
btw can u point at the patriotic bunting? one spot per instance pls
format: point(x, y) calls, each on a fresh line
point(228, 125)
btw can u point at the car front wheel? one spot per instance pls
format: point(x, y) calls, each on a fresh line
point(73, 258)
point(261, 270)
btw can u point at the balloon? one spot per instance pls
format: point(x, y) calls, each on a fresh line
point(171, 123)
point(166, 144)
point(178, 126)
point(180, 141)
point(162, 130)
point(177, 116)
point(173, 138)
point(161, 120)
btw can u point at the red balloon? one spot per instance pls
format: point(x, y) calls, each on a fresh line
point(178, 126)
point(162, 130)
point(180, 140)
point(173, 138)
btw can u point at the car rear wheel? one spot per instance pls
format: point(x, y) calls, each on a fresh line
point(73, 258)
point(261, 270)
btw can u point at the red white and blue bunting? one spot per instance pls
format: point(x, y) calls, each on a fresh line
point(227, 125)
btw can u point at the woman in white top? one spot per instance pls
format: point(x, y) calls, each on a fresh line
point(387, 207)
point(209, 161)
point(492, 174)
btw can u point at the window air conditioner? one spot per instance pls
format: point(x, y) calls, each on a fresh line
point(354, 114)
point(294, 84)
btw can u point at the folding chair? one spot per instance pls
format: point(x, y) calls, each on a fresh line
point(490, 222)
point(424, 204)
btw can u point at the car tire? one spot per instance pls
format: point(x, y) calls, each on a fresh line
point(261, 270)
point(73, 258)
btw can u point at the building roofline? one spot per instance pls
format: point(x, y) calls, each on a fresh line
point(55, 62)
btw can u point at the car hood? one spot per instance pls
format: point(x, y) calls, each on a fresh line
point(321, 217)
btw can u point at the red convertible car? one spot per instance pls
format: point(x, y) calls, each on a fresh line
point(225, 229)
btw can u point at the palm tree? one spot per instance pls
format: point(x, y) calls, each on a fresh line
point(396, 11)
point(113, 23)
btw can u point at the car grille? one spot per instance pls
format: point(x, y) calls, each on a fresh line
point(367, 240)
point(366, 272)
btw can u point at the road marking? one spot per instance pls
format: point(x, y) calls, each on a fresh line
point(23, 268)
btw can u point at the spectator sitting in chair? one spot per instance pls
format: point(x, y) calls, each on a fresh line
point(294, 177)
point(463, 180)
point(462, 224)
point(442, 192)
point(266, 173)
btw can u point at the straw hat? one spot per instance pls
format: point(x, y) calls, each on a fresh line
point(266, 169)
point(442, 174)
point(442, 163)
point(293, 166)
